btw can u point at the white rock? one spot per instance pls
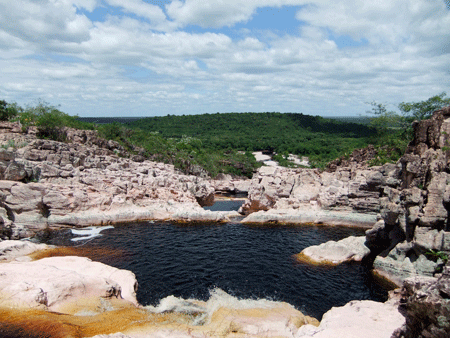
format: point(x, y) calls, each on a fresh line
point(58, 281)
point(356, 319)
point(348, 249)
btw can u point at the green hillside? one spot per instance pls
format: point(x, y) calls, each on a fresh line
point(319, 138)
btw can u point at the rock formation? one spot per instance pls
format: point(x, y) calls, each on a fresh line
point(415, 210)
point(426, 304)
point(86, 181)
point(343, 195)
point(332, 253)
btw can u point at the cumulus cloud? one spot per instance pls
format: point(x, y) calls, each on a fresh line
point(150, 55)
point(44, 21)
point(219, 13)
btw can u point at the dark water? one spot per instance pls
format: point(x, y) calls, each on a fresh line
point(225, 205)
point(245, 261)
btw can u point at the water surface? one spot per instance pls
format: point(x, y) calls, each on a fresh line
point(245, 261)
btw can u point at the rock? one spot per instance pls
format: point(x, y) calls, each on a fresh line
point(86, 183)
point(415, 211)
point(59, 283)
point(348, 249)
point(10, 250)
point(350, 190)
point(377, 238)
point(426, 302)
point(204, 194)
point(356, 319)
point(311, 214)
point(403, 261)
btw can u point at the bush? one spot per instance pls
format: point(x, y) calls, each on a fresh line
point(51, 125)
point(8, 111)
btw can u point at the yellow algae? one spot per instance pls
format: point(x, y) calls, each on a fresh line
point(302, 258)
point(94, 253)
point(26, 323)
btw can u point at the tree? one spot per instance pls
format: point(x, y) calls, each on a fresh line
point(423, 109)
point(384, 119)
point(8, 111)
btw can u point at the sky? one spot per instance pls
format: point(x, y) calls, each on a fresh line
point(152, 58)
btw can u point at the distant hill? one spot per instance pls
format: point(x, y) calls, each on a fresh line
point(321, 139)
point(106, 120)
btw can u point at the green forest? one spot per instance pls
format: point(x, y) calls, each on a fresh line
point(318, 138)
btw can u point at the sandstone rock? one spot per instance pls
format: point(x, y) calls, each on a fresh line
point(404, 261)
point(348, 249)
point(434, 212)
point(10, 250)
point(343, 190)
point(426, 302)
point(429, 239)
point(86, 182)
point(58, 283)
point(311, 215)
point(356, 319)
point(377, 238)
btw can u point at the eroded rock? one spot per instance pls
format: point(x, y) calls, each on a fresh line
point(348, 249)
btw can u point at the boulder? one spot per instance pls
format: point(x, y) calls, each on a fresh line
point(348, 249)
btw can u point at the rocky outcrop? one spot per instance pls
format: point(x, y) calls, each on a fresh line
point(88, 181)
point(426, 304)
point(225, 184)
point(350, 193)
point(348, 249)
point(415, 209)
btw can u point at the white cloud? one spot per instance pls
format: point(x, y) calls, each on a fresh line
point(172, 70)
point(142, 9)
point(43, 21)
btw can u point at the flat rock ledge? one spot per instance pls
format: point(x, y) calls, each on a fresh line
point(314, 216)
point(357, 319)
point(333, 253)
point(171, 211)
point(18, 250)
point(64, 284)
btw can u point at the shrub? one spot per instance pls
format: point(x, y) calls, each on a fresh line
point(8, 111)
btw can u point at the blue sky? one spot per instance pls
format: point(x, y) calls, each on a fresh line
point(150, 58)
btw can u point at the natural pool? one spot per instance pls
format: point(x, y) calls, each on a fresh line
point(190, 260)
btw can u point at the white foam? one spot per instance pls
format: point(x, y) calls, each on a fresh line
point(204, 310)
point(89, 232)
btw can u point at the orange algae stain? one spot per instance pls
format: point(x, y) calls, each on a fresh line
point(302, 258)
point(27, 323)
point(384, 280)
point(94, 253)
